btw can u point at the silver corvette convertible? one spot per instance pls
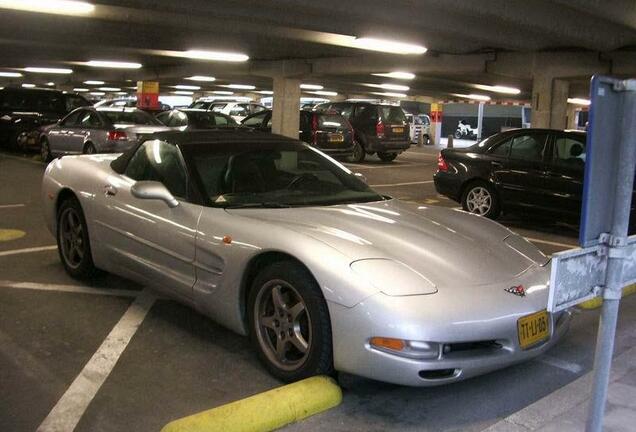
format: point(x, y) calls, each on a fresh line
point(275, 240)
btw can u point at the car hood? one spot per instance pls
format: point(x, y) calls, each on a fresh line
point(448, 246)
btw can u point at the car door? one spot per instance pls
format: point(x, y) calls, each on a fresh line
point(256, 121)
point(520, 174)
point(146, 239)
point(564, 180)
point(60, 137)
point(86, 129)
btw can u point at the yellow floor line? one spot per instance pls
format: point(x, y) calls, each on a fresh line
point(597, 302)
point(10, 234)
point(265, 411)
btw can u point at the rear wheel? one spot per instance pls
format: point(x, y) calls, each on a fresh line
point(387, 157)
point(480, 198)
point(45, 151)
point(90, 149)
point(358, 152)
point(73, 243)
point(289, 322)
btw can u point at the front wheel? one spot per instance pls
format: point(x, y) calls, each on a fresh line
point(289, 322)
point(45, 151)
point(458, 134)
point(387, 157)
point(73, 243)
point(480, 198)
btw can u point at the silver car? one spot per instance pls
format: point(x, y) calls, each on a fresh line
point(96, 130)
point(273, 239)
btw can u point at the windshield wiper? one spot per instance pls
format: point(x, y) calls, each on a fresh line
point(257, 205)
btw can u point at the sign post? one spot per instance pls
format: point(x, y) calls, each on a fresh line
point(607, 261)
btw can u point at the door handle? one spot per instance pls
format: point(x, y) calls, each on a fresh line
point(496, 164)
point(110, 190)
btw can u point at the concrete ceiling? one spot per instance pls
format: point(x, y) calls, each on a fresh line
point(464, 37)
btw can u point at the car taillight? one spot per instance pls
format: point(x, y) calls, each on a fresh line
point(314, 128)
point(379, 129)
point(117, 135)
point(441, 163)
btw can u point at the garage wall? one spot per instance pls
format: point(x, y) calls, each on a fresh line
point(496, 117)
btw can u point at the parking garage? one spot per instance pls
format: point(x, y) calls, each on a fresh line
point(413, 115)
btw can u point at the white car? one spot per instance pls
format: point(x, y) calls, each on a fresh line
point(237, 110)
point(419, 124)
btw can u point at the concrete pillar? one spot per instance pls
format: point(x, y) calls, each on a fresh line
point(480, 120)
point(286, 106)
point(549, 102)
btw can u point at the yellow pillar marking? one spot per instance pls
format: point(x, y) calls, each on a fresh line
point(597, 302)
point(10, 234)
point(266, 411)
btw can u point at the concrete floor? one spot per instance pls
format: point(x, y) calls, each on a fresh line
point(179, 362)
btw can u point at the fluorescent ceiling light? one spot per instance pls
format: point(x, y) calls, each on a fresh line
point(265, 92)
point(388, 46)
point(10, 74)
point(113, 64)
point(48, 70)
point(183, 92)
point(93, 82)
point(386, 86)
point(98, 93)
point(391, 94)
point(396, 75)
point(240, 86)
point(223, 92)
point(50, 84)
point(80, 90)
point(324, 93)
point(214, 55)
point(201, 78)
point(187, 87)
point(579, 101)
point(26, 85)
point(311, 86)
point(121, 93)
point(60, 7)
point(498, 89)
point(109, 89)
point(472, 96)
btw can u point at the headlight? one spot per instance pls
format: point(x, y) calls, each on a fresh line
point(404, 348)
point(392, 277)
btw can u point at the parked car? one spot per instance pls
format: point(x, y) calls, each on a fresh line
point(329, 132)
point(276, 241)
point(194, 119)
point(96, 130)
point(237, 110)
point(528, 169)
point(419, 125)
point(23, 110)
point(378, 128)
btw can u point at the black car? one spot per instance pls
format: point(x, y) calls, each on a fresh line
point(23, 111)
point(381, 129)
point(330, 132)
point(195, 119)
point(521, 169)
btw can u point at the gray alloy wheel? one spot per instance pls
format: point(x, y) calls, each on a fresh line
point(481, 199)
point(90, 149)
point(45, 151)
point(71, 236)
point(284, 325)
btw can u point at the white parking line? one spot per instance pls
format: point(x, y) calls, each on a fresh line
point(575, 368)
point(69, 288)
point(6, 206)
point(27, 250)
point(402, 184)
point(71, 407)
point(564, 245)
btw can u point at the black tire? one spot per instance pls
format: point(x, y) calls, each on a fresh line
point(45, 151)
point(458, 134)
point(481, 198)
point(358, 152)
point(89, 148)
point(295, 285)
point(78, 263)
point(427, 140)
point(387, 157)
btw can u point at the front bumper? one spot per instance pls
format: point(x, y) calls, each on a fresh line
point(353, 327)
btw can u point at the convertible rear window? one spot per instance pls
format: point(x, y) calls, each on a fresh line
point(130, 117)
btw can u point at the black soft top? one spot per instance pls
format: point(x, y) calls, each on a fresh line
point(221, 136)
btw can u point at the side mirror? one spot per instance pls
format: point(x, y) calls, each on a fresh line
point(153, 190)
point(361, 177)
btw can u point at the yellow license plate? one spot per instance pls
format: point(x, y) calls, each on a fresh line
point(533, 329)
point(336, 138)
point(398, 130)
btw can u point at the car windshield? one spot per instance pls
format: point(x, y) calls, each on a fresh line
point(130, 117)
point(274, 175)
point(392, 114)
